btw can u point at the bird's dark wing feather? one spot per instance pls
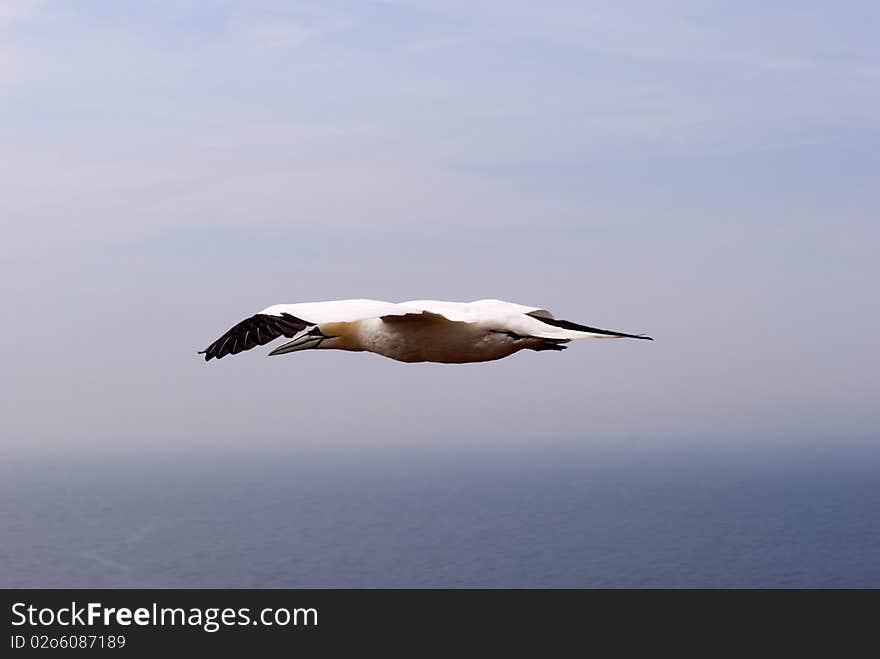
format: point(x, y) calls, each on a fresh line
point(566, 324)
point(257, 330)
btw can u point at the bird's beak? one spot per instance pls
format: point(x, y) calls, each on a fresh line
point(303, 341)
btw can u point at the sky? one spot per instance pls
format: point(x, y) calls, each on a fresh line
point(706, 173)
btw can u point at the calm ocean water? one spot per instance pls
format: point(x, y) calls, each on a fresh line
point(551, 514)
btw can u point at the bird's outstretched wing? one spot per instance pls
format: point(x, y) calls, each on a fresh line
point(478, 311)
point(576, 327)
point(258, 330)
point(288, 320)
point(518, 318)
point(341, 311)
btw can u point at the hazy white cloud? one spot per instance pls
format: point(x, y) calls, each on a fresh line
point(17, 11)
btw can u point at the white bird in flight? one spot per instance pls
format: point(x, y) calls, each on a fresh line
point(417, 331)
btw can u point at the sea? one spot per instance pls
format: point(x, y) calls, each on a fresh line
point(545, 513)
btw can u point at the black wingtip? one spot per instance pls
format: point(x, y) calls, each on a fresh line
point(567, 324)
point(259, 329)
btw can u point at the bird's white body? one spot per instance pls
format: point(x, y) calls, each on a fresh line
point(416, 331)
point(427, 339)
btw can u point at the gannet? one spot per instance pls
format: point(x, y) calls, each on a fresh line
point(415, 331)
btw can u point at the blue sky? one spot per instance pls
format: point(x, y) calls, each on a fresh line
point(704, 172)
